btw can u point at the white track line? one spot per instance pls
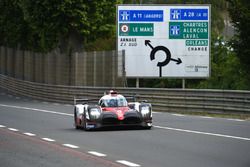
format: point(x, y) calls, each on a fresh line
point(204, 133)
point(35, 109)
point(70, 146)
point(29, 134)
point(48, 139)
point(26, 133)
point(97, 154)
point(13, 129)
point(161, 127)
point(206, 117)
point(2, 126)
point(238, 120)
point(60, 113)
point(127, 163)
point(179, 115)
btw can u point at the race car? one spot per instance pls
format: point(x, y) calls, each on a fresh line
point(112, 110)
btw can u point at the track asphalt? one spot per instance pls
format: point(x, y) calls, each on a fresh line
point(36, 133)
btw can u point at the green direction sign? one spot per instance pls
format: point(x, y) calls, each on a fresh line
point(196, 42)
point(136, 29)
point(188, 30)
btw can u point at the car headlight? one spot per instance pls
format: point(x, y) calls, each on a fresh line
point(95, 113)
point(145, 110)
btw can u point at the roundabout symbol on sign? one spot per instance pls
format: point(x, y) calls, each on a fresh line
point(166, 51)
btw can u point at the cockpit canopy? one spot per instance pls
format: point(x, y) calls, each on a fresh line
point(113, 101)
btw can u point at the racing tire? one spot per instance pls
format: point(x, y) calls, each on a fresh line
point(75, 121)
point(84, 121)
point(147, 127)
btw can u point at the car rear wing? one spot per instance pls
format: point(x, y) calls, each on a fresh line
point(136, 98)
point(84, 101)
point(131, 98)
point(113, 92)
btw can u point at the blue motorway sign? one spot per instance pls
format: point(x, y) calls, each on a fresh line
point(175, 30)
point(188, 14)
point(141, 15)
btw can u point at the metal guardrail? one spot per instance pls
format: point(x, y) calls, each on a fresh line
point(166, 100)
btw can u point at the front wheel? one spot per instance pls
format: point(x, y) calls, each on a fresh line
point(75, 121)
point(84, 122)
point(147, 127)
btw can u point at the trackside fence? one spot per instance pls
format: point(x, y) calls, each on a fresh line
point(166, 100)
point(101, 69)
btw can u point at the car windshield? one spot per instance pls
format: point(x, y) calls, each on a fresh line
point(115, 102)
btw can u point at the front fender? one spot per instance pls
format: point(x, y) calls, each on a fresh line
point(79, 109)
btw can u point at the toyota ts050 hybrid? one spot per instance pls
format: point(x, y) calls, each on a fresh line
point(111, 110)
